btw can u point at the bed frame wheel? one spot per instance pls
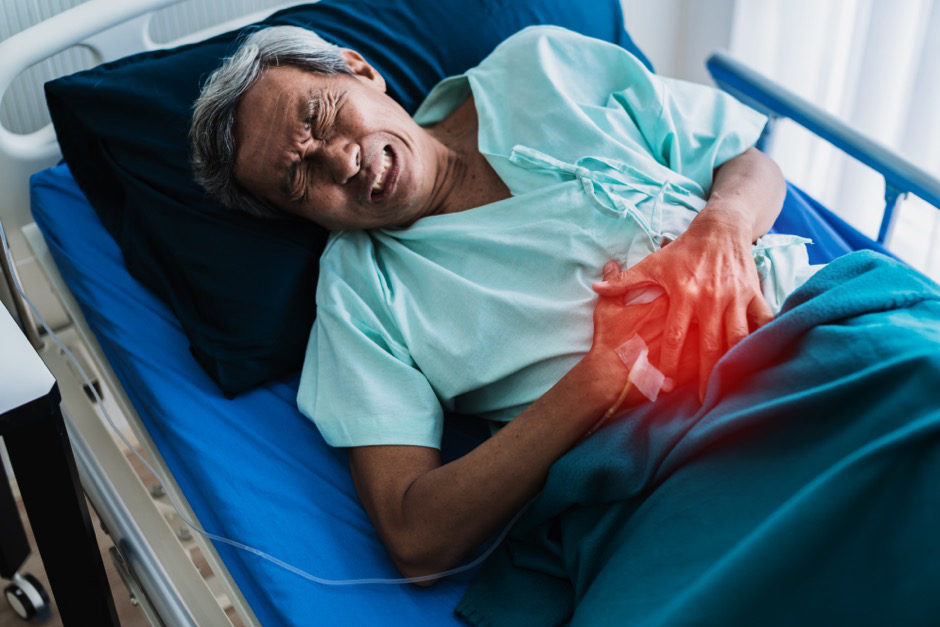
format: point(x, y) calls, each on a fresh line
point(28, 598)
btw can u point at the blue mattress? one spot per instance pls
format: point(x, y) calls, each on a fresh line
point(253, 468)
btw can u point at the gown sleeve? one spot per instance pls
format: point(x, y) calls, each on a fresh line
point(359, 384)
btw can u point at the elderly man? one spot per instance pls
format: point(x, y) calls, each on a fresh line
point(467, 240)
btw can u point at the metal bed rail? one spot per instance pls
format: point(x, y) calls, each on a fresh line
point(756, 90)
point(162, 576)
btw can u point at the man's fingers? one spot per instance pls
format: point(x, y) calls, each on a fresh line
point(759, 312)
point(736, 328)
point(674, 333)
point(611, 269)
point(619, 283)
point(710, 345)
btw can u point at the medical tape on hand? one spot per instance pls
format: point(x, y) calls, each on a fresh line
point(629, 351)
point(644, 376)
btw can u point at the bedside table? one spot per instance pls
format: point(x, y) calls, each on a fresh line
point(32, 426)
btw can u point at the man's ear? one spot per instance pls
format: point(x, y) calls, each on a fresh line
point(362, 69)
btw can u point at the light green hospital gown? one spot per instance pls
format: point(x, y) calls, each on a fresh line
point(481, 312)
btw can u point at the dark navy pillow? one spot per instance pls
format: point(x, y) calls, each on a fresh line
point(243, 288)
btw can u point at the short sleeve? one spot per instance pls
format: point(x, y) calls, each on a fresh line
point(359, 384)
point(690, 128)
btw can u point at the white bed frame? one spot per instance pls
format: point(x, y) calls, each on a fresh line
point(151, 550)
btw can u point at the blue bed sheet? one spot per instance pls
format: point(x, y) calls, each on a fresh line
point(253, 468)
point(832, 236)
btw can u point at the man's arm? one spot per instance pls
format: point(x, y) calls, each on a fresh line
point(747, 194)
point(429, 516)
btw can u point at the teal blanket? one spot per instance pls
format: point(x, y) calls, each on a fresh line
point(806, 489)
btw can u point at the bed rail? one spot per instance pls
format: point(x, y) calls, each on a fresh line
point(110, 29)
point(752, 88)
point(91, 24)
point(162, 568)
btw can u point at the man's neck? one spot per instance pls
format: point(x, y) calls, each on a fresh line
point(469, 180)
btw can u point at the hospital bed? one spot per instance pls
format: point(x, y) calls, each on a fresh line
point(251, 469)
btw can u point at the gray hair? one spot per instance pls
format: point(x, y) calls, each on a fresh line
point(212, 134)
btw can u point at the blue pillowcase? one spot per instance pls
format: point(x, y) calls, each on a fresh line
point(243, 288)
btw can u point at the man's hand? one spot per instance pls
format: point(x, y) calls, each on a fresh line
point(708, 271)
point(615, 323)
point(711, 280)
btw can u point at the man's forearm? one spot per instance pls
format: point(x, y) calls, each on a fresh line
point(445, 512)
point(747, 193)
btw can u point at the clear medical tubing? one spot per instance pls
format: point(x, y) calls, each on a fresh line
point(238, 545)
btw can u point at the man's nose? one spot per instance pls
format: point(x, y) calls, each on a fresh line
point(343, 159)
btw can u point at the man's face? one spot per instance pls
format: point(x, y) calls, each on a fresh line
point(333, 149)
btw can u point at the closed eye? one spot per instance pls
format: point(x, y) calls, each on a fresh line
point(319, 120)
point(312, 112)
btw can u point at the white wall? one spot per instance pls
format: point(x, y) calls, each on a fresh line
point(678, 35)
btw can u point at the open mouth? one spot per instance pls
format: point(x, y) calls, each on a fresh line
point(384, 182)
